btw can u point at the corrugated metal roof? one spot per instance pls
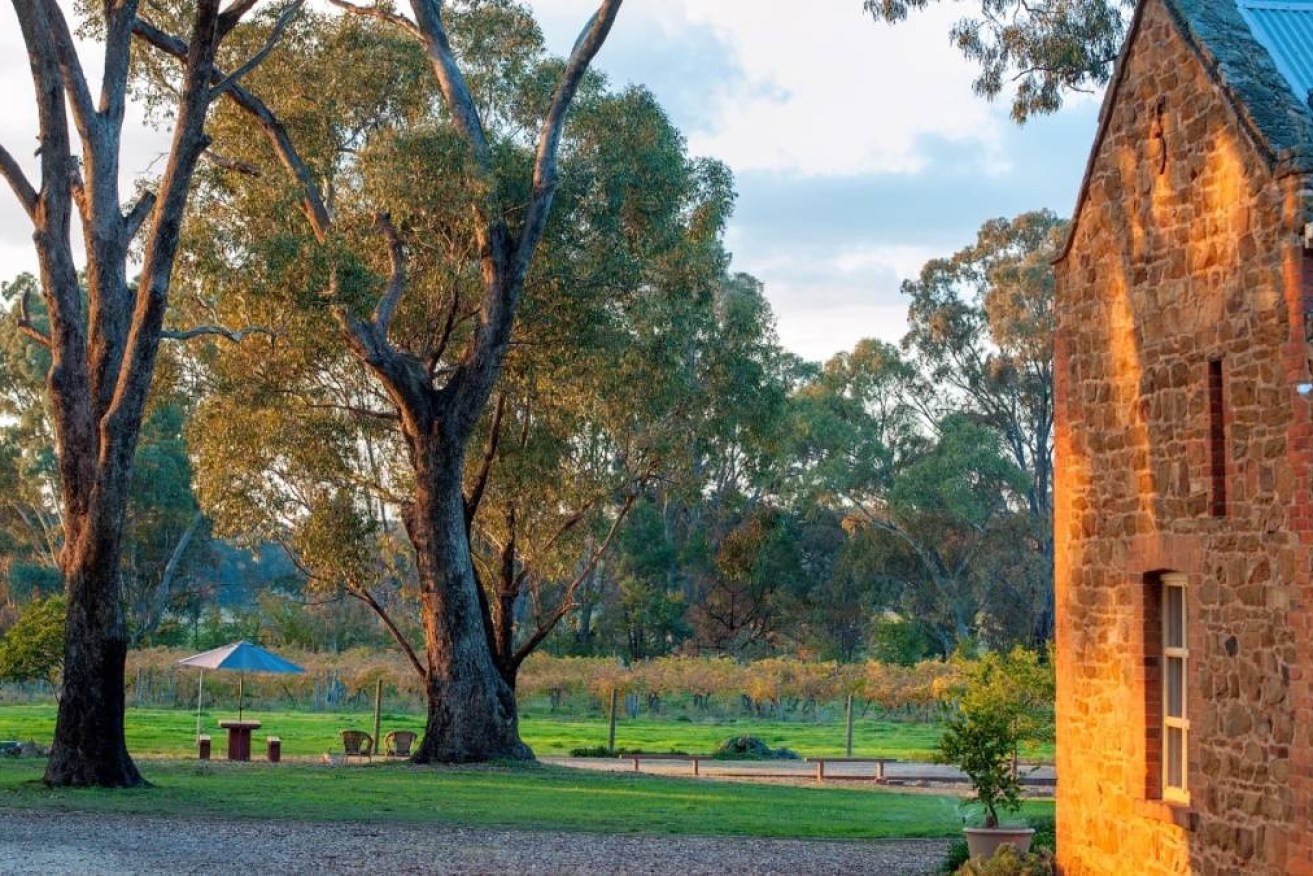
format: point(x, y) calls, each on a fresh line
point(1285, 29)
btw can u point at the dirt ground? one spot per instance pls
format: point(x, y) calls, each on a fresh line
point(77, 843)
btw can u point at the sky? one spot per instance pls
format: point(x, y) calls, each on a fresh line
point(859, 149)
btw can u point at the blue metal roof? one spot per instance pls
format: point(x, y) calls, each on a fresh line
point(1285, 29)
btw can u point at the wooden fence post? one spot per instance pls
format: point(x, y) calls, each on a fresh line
point(610, 735)
point(848, 740)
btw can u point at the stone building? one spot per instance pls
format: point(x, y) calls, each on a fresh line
point(1184, 506)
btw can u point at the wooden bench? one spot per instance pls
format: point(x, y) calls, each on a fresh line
point(878, 761)
point(696, 758)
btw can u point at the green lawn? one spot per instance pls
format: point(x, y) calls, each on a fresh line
point(522, 796)
point(165, 732)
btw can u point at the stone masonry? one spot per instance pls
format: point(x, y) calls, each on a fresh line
point(1186, 250)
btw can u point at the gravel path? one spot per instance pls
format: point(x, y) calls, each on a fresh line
point(76, 843)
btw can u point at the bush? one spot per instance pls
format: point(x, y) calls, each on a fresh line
point(1007, 861)
point(746, 747)
point(957, 855)
point(33, 649)
point(1046, 834)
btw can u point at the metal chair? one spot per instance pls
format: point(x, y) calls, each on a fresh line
point(357, 743)
point(398, 742)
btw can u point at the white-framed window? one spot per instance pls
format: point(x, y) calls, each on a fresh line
point(1176, 718)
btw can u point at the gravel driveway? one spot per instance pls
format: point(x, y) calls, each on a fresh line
point(61, 843)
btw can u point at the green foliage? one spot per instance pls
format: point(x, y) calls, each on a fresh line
point(900, 640)
point(957, 855)
point(33, 649)
point(1002, 701)
point(1046, 833)
point(1007, 861)
point(1048, 50)
point(980, 744)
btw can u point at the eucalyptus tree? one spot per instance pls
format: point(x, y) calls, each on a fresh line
point(981, 336)
point(1047, 49)
point(425, 208)
point(727, 355)
point(161, 520)
point(949, 508)
point(103, 341)
point(603, 387)
point(928, 495)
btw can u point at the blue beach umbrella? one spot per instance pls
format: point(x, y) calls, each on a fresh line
point(240, 656)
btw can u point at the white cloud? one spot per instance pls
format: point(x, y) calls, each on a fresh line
point(827, 299)
point(826, 91)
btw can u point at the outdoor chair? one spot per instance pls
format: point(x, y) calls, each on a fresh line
point(398, 743)
point(357, 743)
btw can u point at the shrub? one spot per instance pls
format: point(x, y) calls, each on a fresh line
point(957, 855)
point(33, 649)
point(746, 747)
point(1007, 861)
point(1046, 834)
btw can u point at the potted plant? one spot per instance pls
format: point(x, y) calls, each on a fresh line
point(998, 706)
point(981, 746)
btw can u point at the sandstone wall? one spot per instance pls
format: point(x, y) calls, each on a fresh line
point(1185, 251)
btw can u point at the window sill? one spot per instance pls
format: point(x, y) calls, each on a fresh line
point(1167, 812)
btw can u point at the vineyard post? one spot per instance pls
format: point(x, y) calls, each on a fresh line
point(610, 735)
point(848, 741)
point(378, 710)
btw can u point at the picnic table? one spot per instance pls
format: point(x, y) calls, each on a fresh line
point(239, 738)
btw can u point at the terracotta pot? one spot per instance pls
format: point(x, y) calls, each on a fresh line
point(986, 840)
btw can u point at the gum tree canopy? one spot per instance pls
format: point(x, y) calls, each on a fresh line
point(426, 185)
point(103, 334)
point(1044, 49)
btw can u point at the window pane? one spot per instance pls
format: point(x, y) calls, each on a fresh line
point(1174, 609)
point(1175, 757)
point(1175, 703)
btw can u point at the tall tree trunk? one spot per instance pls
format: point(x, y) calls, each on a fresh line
point(472, 714)
point(89, 747)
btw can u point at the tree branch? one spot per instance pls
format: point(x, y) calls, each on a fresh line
point(236, 166)
point(544, 169)
point(435, 357)
point(485, 467)
point(18, 181)
point(368, 598)
point(387, 303)
point(137, 215)
point(382, 14)
point(75, 80)
point(232, 16)
point(390, 416)
point(234, 335)
point(312, 202)
point(464, 112)
point(505, 264)
point(567, 602)
point(25, 324)
point(275, 34)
